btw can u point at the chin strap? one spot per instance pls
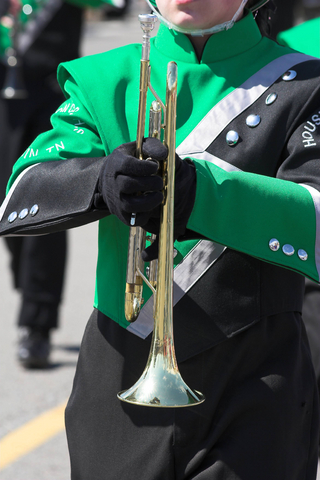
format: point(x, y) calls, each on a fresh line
point(200, 32)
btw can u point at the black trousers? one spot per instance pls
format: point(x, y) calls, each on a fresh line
point(311, 318)
point(37, 263)
point(260, 419)
point(38, 266)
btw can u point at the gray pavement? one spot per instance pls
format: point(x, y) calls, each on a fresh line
point(27, 394)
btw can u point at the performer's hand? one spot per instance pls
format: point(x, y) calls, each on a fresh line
point(130, 185)
point(184, 197)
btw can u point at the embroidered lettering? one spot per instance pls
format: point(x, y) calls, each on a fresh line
point(56, 146)
point(31, 153)
point(73, 109)
point(316, 119)
point(313, 127)
point(64, 109)
point(308, 139)
point(78, 130)
point(59, 146)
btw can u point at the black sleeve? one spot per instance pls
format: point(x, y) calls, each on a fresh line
point(53, 196)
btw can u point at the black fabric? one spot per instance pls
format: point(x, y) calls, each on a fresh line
point(65, 193)
point(259, 419)
point(279, 147)
point(38, 266)
point(4, 5)
point(222, 307)
point(37, 263)
point(58, 42)
point(311, 318)
point(184, 198)
point(129, 185)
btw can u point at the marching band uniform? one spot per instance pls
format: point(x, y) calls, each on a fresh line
point(305, 38)
point(49, 35)
point(37, 263)
point(248, 118)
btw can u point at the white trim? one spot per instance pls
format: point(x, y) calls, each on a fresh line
point(13, 187)
point(186, 274)
point(235, 103)
point(316, 200)
point(226, 166)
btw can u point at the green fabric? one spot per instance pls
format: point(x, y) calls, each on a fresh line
point(100, 113)
point(249, 210)
point(90, 3)
point(304, 38)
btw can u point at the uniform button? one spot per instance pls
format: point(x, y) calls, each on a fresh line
point(253, 120)
point(12, 217)
point(34, 210)
point(232, 138)
point(288, 250)
point(302, 254)
point(289, 75)
point(23, 213)
point(274, 244)
point(271, 98)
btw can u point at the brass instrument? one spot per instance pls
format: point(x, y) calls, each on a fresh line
point(161, 384)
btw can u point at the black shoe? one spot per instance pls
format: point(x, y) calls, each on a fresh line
point(34, 348)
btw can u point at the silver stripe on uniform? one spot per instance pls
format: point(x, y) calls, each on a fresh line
point(186, 274)
point(227, 167)
point(235, 103)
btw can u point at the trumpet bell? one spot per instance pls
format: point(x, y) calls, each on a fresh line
point(161, 385)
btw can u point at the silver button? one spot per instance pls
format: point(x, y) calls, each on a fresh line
point(12, 217)
point(288, 249)
point(232, 138)
point(23, 213)
point(253, 120)
point(302, 254)
point(271, 98)
point(175, 252)
point(34, 210)
point(274, 244)
point(289, 75)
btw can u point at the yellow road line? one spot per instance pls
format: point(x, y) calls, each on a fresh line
point(31, 435)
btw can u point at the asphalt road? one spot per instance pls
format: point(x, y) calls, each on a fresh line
point(26, 395)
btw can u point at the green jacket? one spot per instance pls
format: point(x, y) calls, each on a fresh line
point(247, 194)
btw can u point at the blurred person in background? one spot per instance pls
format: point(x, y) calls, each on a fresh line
point(43, 33)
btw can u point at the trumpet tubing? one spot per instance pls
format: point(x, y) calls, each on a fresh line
point(161, 384)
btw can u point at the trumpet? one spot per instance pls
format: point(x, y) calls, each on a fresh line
point(161, 384)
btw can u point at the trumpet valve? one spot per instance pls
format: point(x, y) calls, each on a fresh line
point(133, 301)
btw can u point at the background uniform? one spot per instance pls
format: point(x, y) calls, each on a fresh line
point(238, 330)
point(37, 263)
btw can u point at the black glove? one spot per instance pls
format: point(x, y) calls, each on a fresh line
point(184, 197)
point(129, 185)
